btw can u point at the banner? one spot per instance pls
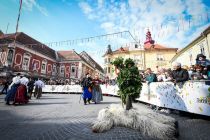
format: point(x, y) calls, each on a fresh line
point(192, 97)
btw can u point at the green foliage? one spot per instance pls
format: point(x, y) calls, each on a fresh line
point(129, 63)
point(209, 89)
point(128, 80)
point(118, 62)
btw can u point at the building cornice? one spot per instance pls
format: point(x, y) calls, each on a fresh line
point(192, 43)
point(31, 51)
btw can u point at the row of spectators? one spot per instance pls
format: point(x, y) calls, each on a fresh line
point(199, 71)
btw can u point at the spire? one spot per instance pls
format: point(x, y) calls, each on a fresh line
point(109, 50)
point(149, 38)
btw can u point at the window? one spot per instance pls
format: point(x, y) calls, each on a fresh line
point(44, 66)
point(26, 61)
point(137, 58)
point(160, 57)
point(202, 48)
point(136, 46)
point(54, 68)
point(62, 69)
point(105, 60)
point(108, 69)
point(109, 60)
point(73, 71)
point(9, 57)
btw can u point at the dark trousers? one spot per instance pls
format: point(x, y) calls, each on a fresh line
point(30, 91)
point(4, 89)
point(85, 101)
point(38, 92)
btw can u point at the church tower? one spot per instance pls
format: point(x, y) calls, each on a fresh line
point(149, 38)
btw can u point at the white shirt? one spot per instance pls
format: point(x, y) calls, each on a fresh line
point(15, 80)
point(24, 81)
point(39, 83)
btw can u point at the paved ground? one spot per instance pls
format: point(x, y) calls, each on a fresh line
point(62, 117)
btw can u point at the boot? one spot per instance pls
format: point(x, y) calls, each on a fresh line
point(7, 103)
point(85, 102)
point(89, 101)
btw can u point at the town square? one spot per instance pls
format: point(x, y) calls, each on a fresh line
point(104, 69)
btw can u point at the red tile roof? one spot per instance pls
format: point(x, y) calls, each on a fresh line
point(147, 46)
point(122, 50)
point(26, 40)
point(157, 47)
point(68, 55)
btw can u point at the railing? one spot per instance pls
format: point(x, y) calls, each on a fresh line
point(193, 96)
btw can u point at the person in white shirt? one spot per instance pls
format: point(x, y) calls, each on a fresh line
point(39, 84)
point(21, 96)
point(12, 89)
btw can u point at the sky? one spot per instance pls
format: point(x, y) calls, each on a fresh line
point(173, 23)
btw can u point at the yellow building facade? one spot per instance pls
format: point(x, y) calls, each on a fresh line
point(200, 45)
point(150, 55)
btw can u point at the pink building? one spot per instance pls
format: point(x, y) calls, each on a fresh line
point(38, 60)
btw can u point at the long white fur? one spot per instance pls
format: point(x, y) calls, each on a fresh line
point(149, 123)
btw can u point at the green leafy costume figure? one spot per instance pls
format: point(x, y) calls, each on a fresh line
point(128, 80)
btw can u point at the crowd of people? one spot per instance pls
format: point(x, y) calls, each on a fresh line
point(21, 88)
point(62, 82)
point(180, 74)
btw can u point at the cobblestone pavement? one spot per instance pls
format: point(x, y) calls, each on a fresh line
point(62, 117)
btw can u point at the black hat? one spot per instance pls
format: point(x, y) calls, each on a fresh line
point(200, 55)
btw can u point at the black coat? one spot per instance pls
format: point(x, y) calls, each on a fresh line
point(86, 82)
point(180, 75)
point(31, 85)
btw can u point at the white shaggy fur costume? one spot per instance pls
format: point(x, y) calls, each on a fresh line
point(147, 122)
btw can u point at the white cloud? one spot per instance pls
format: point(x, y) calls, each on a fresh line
point(167, 20)
point(85, 7)
point(195, 7)
point(30, 4)
point(108, 26)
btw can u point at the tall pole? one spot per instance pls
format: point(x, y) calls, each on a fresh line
point(7, 28)
point(18, 22)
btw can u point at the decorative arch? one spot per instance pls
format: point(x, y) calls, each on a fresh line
point(10, 56)
point(3, 55)
point(49, 68)
point(54, 69)
point(44, 66)
point(62, 69)
point(26, 61)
